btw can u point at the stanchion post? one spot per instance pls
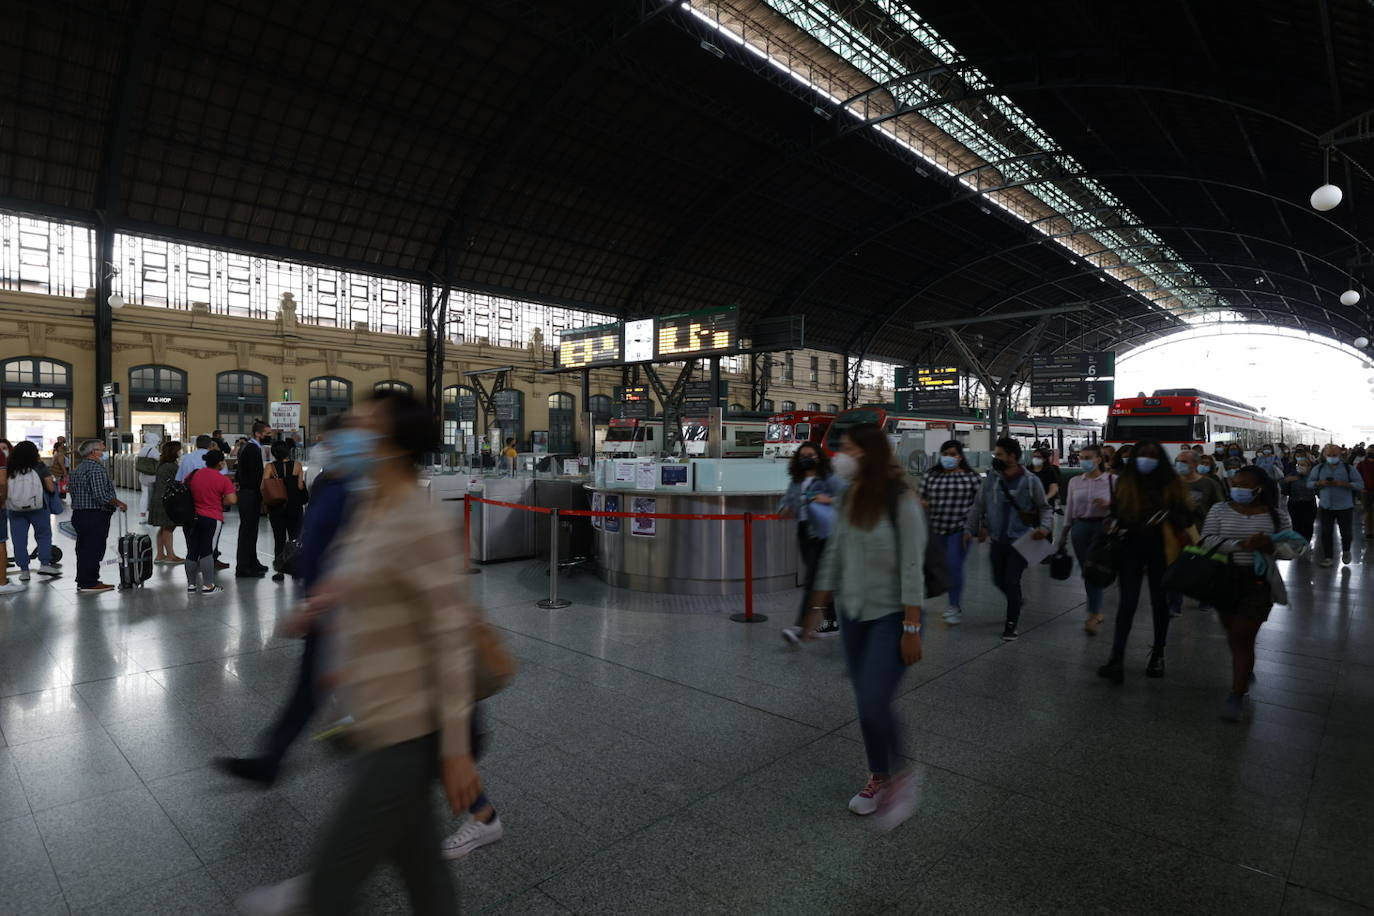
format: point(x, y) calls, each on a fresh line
point(748, 616)
point(553, 602)
point(467, 536)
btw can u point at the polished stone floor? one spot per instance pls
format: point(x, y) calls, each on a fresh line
point(654, 757)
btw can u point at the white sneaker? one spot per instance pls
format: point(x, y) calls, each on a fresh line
point(899, 802)
point(23, 575)
point(289, 898)
point(869, 797)
point(827, 630)
point(1345, 557)
point(792, 635)
point(472, 835)
point(954, 616)
point(11, 588)
point(49, 571)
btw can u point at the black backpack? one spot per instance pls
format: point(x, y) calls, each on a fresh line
point(178, 502)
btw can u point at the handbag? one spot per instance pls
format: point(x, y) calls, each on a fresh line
point(495, 666)
point(286, 563)
point(1204, 575)
point(1061, 565)
point(54, 502)
point(273, 490)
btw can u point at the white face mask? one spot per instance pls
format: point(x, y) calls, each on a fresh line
point(1037, 462)
point(846, 465)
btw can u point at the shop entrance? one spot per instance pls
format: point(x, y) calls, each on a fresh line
point(37, 401)
point(157, 402)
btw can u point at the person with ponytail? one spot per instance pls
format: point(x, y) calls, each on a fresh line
point(873, 567)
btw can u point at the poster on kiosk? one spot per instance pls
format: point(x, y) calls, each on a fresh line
point(285, 418)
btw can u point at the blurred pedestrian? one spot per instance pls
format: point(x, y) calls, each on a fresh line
point(810, 500)
point(1088, 503)
point(948, 491)
point(1203, 492)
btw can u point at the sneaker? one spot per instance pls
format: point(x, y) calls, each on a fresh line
point(869, 797)
point(1092, 624)
point(1010, 633)
point(1233, 708)
point(792, 636)
point(23, 575)
point(192, 589)
point(211, 591)
point(1345, 557)
point(828, 629)
point(10, 588)
point(289, 898)
point(472, 835)
point(1325, 563)
point(95, 589)
point(49, 570)
point(899, 802)
point(954, 616)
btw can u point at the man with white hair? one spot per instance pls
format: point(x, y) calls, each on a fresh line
point(93, 502)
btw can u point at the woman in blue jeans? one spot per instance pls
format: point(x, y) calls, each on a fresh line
point(23, 462)
point(873, 568)
point(1086, 507)
point(947, 493)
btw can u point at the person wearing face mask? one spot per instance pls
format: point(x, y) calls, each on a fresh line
point(1207, 467)
point(1086, 507)
point(809, 499)
point(1251, 530)
point(1204, 492)
point(1338, 486)
point(1302, 498)
point(1153, 511)
point(1048, 474)
point(1269, 462)
point(947, 493)
point(874, 568)
point(1010, 504)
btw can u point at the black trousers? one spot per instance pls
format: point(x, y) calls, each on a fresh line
point(811, 550)
point(250, 516)
point(1142, 558)
point(300, 707)
point(286, 525)
point(1336, 518)
point(92, 531)
point(1304, 516)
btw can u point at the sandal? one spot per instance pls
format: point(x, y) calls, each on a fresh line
point(1090, 626)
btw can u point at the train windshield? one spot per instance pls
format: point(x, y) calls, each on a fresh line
point(845, 421)
point(1163, 428)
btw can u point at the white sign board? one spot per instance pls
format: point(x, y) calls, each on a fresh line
point(285, 415)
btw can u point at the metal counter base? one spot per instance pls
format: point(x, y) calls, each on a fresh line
point(690, 557)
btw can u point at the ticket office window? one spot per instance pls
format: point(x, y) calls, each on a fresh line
point(561, 423)
point(328, 395)
point(157, 400)
point(37, 401)
point(240, 398)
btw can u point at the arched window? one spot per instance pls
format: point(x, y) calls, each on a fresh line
point(813, 406)
point(240, 398)
point(157, 397)
point(832, 408)
point(328, 395)
point(393, 385)
point(788, 405)
point(562, 422)
point(37, 401)
point(460, 416)
point(766, 405)
point(602, 409)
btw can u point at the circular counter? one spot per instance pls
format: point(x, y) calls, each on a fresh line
point(694, 557)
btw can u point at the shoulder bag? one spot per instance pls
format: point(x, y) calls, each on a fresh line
point(1027, 516)
point(273, 488)
point(1100, 565)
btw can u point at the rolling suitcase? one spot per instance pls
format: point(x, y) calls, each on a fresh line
point(135, 555)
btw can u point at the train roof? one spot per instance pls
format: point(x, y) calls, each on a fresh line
point(1198, 393)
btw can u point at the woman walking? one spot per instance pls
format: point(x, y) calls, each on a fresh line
point(1247, 529)
point(285, 518)
point(157, 515)
point(1151, 508)
point(1302, 498)
point(947, 493)
point(1086, 508)
point(873, 567)
point(29, 484)
point(810, 500)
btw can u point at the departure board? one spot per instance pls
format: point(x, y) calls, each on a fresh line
point(926, 387)
point(599, 345)
point(697, 333)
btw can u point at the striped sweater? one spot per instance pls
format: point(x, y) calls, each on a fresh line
point(405, 625)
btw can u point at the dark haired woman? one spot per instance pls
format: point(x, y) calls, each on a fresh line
point(947, 493)
point(1153, 511)
point(1011, 504)
point(285, 518)
point(29, 483)
point(398, 606)
point(810, 500)
point(1247, 528)
point(157, 515)
point(873, 567)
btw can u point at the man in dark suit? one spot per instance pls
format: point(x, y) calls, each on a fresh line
point(250, 464)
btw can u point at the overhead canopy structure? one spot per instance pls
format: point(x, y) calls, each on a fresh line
point(870, 164)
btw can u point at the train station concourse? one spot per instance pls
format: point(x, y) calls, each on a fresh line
point(686, 456)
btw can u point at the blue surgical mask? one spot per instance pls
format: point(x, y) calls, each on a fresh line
point(1087, 464)
point(353, 451)
point(949, 462)
point(1333, 459)
point(1242, 495)
point(1183, 468)
point(1146, 465)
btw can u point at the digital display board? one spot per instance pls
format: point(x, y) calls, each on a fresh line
point(639, 341)
point(926, 387)
point(1074, 393)
point(599, 345)
point(636, 401)
point(1075, 365)
point(697, 333)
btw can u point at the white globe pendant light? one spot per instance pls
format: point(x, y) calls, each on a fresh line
point(1327, 197)
point(1361, 342)
point(116, 301)
point(1350, 297)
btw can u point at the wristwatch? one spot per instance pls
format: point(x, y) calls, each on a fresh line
point(911, 628)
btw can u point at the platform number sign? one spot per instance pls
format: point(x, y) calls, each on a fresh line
point(697, 333)
point(1073, 379)
point(599, 345)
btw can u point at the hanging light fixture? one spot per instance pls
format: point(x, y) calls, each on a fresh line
point(1328, 196)
point(1361, 342)
point(1350, 297)
point(116, 301)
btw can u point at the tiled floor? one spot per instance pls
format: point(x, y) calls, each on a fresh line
point(654, 757)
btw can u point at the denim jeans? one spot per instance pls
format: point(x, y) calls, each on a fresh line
point(92, 531)
point(1082, 534)
point(873, 655)
point(955, 555)
point(42, 532)
point(1007, 567)
point(1142, 557)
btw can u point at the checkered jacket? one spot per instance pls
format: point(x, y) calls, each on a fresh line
point(948, 496)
